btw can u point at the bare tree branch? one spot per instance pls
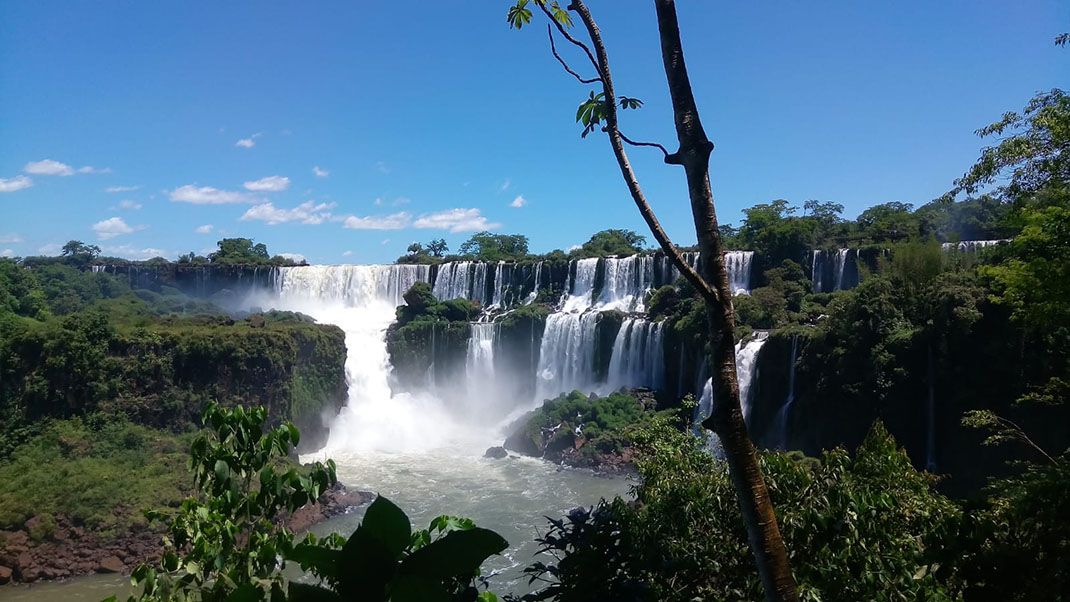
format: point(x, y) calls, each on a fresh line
point(564, 32)
point(553, 48)
point(664, 151)
point(708, 292)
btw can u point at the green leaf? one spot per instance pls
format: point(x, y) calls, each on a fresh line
point(487, 597)
point(519, 15)
point(303, 592)
point(457, 555)
point(316, 558)
point(365, 567)
point(389, 524)
point(414, 588)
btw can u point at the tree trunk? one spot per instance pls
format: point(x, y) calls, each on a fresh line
point(711, 281)
point(727, 417)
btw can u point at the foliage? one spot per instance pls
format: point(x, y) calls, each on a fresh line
point(888, 222)
point(242, 251)
point(612, 242)
point(226, 543)
point(100, 471)
point(1032, 150)
point(385, 560)
point(495, 247)
point(861, 528)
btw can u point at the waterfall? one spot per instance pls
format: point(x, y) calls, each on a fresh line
point(361, 299)
point(638, 358)
point(816, 270)
point(479, 362)
point(841, 263)
point(972, 246)
point(746, 374)
point(566, 356)
point(784, 415)
point(534, 294)
point(842, 271)
point(499, 286)
point(738, 264)
point(627, 280)
point(581, 288)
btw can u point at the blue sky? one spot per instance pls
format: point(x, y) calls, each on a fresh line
point(343, 131)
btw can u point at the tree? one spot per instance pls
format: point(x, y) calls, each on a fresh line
point(240, 250)
point(889, 222)
point(613, 242)
point(75, 248)
point(495, 247)
point(438, 247)
point(1033, 150)
point(710, 278)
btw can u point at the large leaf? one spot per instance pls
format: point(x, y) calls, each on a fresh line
point(414, 588)
point(323, 561)
point(366, 566)
point(389, 523)
point(458, 554)
point(303, 592)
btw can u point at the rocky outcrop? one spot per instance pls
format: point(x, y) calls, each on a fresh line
point(67, 550)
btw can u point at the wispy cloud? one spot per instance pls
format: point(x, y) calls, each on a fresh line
point(382, 167)
point(50, 167)
point(112, 227)
point(455, 220)
point(308, 212)
point(394, 221)
point(249, 142)
point(206, 195)
point(129, 205)
point(114, 189)
point(518, 202)
point(293, 256)
point(347, 253)
point(14, 184)
point(505, 185)
point(205, 229)
point(51, 248)
point(269, 184)
point(320, 172)
point(398, 202)
point(10, 239)
point(132, 252)
point(7, 253)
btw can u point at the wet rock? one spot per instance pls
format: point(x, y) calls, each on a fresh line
point(496, 452)
point(111, 564)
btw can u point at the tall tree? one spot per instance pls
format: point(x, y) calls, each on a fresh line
point(710, 279)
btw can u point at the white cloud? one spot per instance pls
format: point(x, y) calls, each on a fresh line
point(269, 184)
point(91, 169)
point(206, 195)
point(10, 239)
point(384, 241)
point(398, 202)
point(505, 185)
point(347, 253)
point(382, 167)
point(394, 221)
point(205, 229)
point(129, 205)
point(132, 252)
point(297, 257)
point(574, 248)
point(518, 202)
point(112, 227)
point(114, 189)
point(455, 220)
point(51, 248)
point(48, 167)
point(16, 183)
point(249, 142)
point(308, 212)
point(320, 172)
point(7, 253)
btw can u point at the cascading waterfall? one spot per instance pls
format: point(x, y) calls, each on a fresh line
point(627, 279)
point(479, 364)
point(784, 415)
point(499, 285)
point(637, 359)
point(535, 287)
point(746, 374)
point(566, 356)
point(738, 264)
point(362, 300)
point(841, 264)
point(972, 246)
point(581, 288)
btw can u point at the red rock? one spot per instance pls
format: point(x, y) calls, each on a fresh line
point(111, 564)
point(5, 575)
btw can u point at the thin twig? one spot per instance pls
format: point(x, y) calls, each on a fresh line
point(553, 48)
point(664, 151)
point(564, 32)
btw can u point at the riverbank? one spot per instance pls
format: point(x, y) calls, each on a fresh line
point(62, 549)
